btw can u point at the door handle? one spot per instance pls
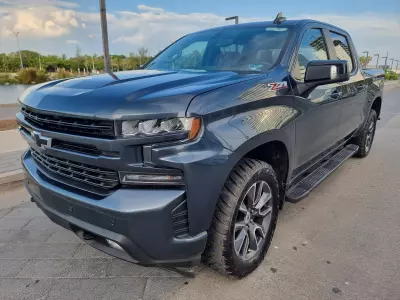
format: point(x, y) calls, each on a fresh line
point(360, 87)
point(335, 95)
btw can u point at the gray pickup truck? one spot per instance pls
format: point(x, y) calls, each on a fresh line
point(192, 157)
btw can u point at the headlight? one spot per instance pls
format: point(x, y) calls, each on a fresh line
point(191, 126)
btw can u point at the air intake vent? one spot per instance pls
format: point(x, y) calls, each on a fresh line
point(180, 222)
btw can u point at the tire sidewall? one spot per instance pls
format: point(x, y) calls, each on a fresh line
point(371, 118)
point(242, 268)
point(361, 139)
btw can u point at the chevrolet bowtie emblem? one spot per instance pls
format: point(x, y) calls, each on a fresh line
point(41, 141)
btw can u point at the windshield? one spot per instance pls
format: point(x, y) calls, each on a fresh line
point(254, 49)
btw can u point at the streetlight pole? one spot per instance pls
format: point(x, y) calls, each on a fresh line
point(366, 59)
point(377, 60)
point(386, 58)
point(103, 16)
point(236, 18)
point(93, 68)
point(391, 66)
point(19, 51)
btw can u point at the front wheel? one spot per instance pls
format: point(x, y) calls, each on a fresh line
point(245, 219)
point(365, 138)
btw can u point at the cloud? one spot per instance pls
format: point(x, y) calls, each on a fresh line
point(146, 8)
point(155, 28)
point(72, 42)
point(58, 3)
point(39, 21)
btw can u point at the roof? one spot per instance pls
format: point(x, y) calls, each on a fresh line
point(271, 23)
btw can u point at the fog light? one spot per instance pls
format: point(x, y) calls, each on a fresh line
point(151, 179)
point(114, 245)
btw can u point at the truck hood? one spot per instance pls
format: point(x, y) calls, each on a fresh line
point(127, 95)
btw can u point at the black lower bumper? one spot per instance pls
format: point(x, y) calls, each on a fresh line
point(138, 220)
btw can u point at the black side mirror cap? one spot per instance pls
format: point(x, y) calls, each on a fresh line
point(321, 72)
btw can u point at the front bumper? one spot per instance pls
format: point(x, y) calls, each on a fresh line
point(139, 220)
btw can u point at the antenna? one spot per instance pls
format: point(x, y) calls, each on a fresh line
point(279, 18)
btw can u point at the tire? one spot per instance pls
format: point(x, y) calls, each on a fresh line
point(365, 138)
point(223, 253)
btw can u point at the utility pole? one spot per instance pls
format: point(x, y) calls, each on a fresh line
point(19, 51)
point(377, 60)
point(366, 59)
point(391, 66)
point(103, 16)
point(40, 63)
point(397, 65)
point(236, 18)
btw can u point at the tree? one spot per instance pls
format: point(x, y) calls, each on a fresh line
point(142, 54)
point(133, 61)
point(364, 62)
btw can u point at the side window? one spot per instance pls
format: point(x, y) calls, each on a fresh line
point(342, 49)
point(312, 47)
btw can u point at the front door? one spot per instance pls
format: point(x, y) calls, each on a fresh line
point(317, 126)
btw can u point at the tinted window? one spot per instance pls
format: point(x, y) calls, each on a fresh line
point(342, 49)
point(254, 49)
point(312, 47)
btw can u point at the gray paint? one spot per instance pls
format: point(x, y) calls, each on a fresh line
point(239, 113)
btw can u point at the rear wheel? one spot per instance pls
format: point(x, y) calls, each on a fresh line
point(366, 137)
point(245, 219)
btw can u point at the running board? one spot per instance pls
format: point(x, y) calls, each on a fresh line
point(307, 184)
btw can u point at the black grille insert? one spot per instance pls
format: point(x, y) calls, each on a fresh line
point(98, 128)
point(80, 148)
point(180, 222)
point(87, 174)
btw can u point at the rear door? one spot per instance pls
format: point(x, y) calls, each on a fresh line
point(317, 126)
point(354, 91)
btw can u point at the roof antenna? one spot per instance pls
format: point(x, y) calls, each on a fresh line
point(279, 18)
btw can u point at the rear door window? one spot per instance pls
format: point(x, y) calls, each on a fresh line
point(342, 49)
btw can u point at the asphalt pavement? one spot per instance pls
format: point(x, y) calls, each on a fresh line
point(341, 242)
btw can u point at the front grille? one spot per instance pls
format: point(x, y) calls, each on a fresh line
point(94, 176)
point(86, 127)
point(74, 147)
point(180, 222)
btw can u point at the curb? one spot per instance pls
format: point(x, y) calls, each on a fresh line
point(11, 179)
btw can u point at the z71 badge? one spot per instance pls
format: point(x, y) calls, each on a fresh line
point(275, 86)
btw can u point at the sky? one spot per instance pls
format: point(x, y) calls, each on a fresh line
point(58, 26)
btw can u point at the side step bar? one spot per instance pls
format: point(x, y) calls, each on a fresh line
point(301, 189)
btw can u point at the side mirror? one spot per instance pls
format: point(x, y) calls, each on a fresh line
point(321, 72)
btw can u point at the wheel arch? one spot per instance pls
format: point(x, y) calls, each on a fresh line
point(377, 105)
point(274, 153)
